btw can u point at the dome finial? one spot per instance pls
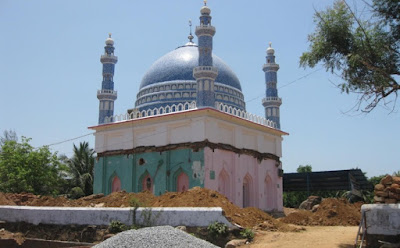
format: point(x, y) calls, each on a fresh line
point(270, 50)
point(109, 35)
point(205, 2)
point(190, 37)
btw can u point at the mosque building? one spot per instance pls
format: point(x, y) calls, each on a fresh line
point(189, 127)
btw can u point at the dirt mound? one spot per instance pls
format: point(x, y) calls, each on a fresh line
point(195, 197)
point(331, 212)
point(4, 200)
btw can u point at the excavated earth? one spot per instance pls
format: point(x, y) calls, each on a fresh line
point(331, 212)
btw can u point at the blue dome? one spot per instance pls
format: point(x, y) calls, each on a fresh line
point(178, 65)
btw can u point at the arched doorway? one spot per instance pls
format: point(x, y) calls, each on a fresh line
point(248, 191)
point(115, 184)
point(182, 183)
point(147, 183)
point(270, 193)
point(223, 183)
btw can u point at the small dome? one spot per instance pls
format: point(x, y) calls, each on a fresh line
point(270, 50)
point(205, 10)
point(109, 40)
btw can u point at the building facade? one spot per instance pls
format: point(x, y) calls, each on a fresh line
point(189, 128)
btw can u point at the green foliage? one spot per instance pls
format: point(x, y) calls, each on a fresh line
point(149, 218)
point(375, 180)
point(135, 203)
point(293, 199)
point(81, 167)
point(247, 234)
point(304, 168)
point(26, 169)
point(76, 192)
point(364, 52)
point(116, 227)
point(396, 174)
point(217, 229)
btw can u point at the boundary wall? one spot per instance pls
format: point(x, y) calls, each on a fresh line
point(182, 216)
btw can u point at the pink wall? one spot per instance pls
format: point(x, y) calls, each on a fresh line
point(235, 175)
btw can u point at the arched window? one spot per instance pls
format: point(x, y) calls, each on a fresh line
point(182, 183)
point(248, 192)
point(223, 183)
point(147, 183)
point(116, 184)
point(270, 193)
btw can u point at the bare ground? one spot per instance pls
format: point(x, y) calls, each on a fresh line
point(312, 236)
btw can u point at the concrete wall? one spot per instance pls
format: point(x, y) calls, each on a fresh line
point(226, 172)
point(382, 218)
point(103, 216)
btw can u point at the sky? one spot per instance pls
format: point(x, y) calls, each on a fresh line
point(51, 71)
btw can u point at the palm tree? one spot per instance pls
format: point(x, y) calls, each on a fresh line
point(81, 167)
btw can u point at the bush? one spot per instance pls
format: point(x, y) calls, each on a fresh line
point(76, 193)
point(116, 227)
point(247, 234)
point(216, 229)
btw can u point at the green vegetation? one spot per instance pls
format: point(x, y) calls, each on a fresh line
point(247, 234)
point(365, 53)
point(217, 229)
point(116, 227)
point(24, 168)
point(81, 166)
point(304, 168)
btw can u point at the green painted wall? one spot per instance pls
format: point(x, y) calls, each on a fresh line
point(162, 167)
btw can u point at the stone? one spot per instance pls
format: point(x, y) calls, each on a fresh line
point(182, 228)
point(381, 193)
point(398, 191)
point(310, 202)
point(390, 201)
point(396, 180)
point(379, 187)
point(235, 243)
point(315, 208)
point(379, 199)
point(394, 186)
point(107, 236)
point(386, 180)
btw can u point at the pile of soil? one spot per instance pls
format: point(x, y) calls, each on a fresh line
point(195, 197)
point(331, 212)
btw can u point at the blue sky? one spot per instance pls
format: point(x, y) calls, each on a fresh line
point(50, 73)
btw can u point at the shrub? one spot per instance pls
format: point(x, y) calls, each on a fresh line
point(116, 227)
point(247, 234)
point(76, 193)
point(216, 229)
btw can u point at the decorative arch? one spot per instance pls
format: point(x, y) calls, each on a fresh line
point(146, 182)
point(180, 180)
point(224, 183)
point(115, 184)
point(182, 183)
point(248, 191)
point(270, 193)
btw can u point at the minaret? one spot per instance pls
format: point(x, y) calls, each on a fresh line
point(205, 74)
point(271, 102)
point(107, 95)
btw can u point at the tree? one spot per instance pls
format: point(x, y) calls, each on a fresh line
point(26, 169)
point(365, 53)
point(81, 167)
point(304, 168)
